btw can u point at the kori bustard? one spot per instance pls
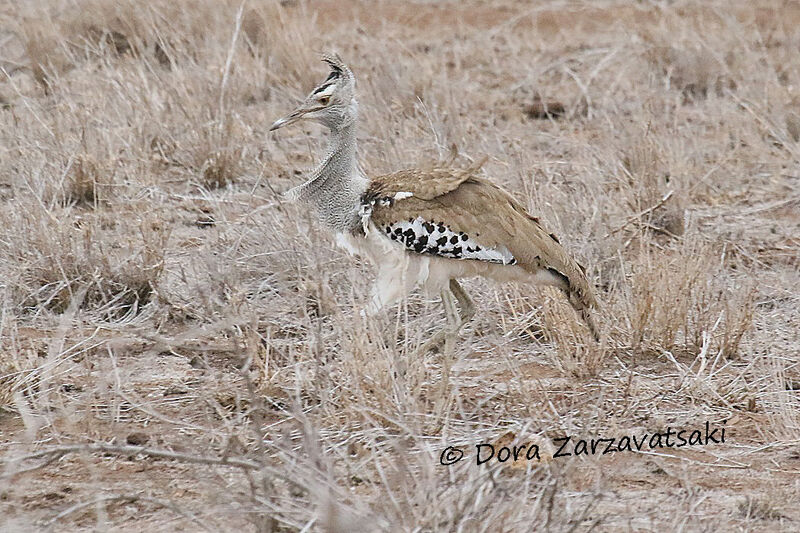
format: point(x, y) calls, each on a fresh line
point(426, 227)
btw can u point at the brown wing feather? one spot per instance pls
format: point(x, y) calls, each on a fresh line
point(423, 184)
point(487, 214)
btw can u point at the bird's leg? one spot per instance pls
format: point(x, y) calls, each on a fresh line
point(464, 302)
point(460, 317)
point(453, 321)
point(450, 332)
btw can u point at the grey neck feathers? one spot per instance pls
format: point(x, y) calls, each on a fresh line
point(336, 186)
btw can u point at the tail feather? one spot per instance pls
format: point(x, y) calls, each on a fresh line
point(586, 315)
point(583, 307)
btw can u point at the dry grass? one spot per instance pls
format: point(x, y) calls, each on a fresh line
point(181, 350)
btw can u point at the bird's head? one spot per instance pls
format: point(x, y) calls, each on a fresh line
point(332, 103)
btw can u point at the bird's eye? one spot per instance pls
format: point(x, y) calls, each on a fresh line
point(324, 100)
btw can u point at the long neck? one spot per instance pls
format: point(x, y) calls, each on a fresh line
point(336, 186)
point(341, 162)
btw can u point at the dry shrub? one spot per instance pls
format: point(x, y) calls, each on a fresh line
point(221, 168)
point(685, 61)
point(271, 36)
point(88, 182)
point(256, 322)
point(214, 153)
point(693, 70)
point(63, 259)
point(18, 367)
point(41, 41)
point(646, 168)
point(670, 301)
point(55, 45)
point(653, 183)
point(677, 304)
point(9, 384)
point(81, 180)
point(160, 30)
point(576, 352)
point(793, 125)
point(544, 109)
point(759, 508)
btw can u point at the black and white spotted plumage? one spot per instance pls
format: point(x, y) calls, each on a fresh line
point(436, 238)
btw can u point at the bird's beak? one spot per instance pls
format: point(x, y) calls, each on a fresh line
point(281, 122)
point(291, 118)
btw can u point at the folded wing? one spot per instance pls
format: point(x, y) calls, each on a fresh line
point(456, 215)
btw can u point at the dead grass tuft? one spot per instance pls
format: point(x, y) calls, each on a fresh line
point(88, 182)
point(759, 509)
point(696, 72)
point(9, 384)
point(793, 125)
point(691, 310)
point(221, 169)
point(63, 261)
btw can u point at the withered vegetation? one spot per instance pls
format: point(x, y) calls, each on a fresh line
point(182, 349)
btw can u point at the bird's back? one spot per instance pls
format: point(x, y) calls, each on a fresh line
point(455, 214)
